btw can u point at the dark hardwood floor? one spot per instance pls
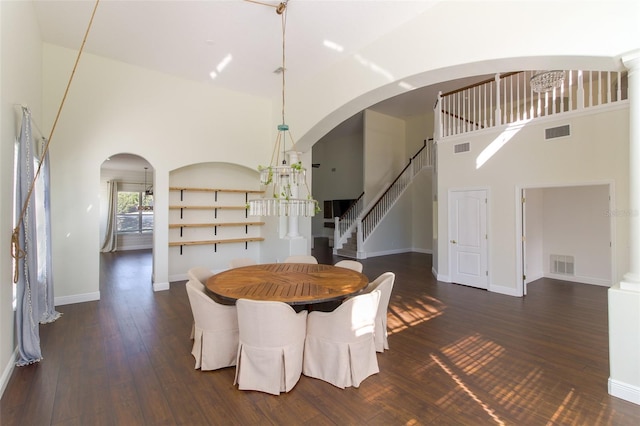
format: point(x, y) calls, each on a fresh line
point(459, 356)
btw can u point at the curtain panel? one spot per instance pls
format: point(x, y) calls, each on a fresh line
point(34, 288)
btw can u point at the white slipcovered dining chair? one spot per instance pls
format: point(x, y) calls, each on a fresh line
point(271, 346)
point(301, 259)
point(350, 264)
point(241, 261)
point(339, 347)
point(215, 342)
point(199, 275)
point(384, 283)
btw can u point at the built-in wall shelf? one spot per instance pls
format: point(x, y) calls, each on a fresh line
point(203, 237)
point(215, 242)
point(214, 208)
point(214, 190)
point(214, 225)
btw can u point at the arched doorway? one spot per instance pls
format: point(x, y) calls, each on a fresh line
point(127, 216)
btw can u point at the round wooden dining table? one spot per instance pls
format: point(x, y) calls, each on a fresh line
point(292, 283)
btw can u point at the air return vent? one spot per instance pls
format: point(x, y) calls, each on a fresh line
point(557, 132)
point(562, 264)
point(461, 147)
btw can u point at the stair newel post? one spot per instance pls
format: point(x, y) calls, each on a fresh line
point(439, 114)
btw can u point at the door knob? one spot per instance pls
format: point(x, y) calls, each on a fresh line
point(453, 241)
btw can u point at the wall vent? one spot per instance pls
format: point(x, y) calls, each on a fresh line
point(557, 132)
point(461, 147)
point(562, 264)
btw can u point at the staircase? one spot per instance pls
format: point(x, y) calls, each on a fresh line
point(350, 247)
point(357, 223)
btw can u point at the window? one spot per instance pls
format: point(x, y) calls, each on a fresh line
point(135, 212)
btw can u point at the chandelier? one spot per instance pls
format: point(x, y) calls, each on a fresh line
point(546, 81)
point(285, 177)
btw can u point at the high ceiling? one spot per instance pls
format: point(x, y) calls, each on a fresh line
point(190, 39)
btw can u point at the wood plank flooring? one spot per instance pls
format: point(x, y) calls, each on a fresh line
point(459, 356)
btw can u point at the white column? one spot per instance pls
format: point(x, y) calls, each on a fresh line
point(624, 298)
point(631, 280)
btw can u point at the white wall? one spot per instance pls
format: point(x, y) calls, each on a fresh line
point(394, 233)
point(569, 220)
point(418, 129)
point(526, 160)
point(113, 107)
point(384, 152)
point(20, 83)
point(534, 231)
point(340, 175)
point(576, 222)
point(422, 212)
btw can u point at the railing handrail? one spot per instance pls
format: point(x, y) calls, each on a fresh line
point(346, 223)
point(385, 200)
point(480, 83)
point(510, 98)
point(352, 206)
point(394, 181)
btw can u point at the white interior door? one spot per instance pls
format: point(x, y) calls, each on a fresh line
point(468, 237)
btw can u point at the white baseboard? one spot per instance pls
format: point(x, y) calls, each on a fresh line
point(76, 298)
point(160, 286)
point(422, 250)
point(531, 277)
point(178, 277)
point(384, 253)
point(509, 291)
point(8, 369)
point(443, 278)
point(582, 280)
point(624, 391)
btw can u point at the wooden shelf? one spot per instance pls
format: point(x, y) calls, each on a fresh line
point(215, 207)
point(209, 225)
point(241, 191)
point(213, 225)
point(208, 242)
point(208, 207)
point(215, 242)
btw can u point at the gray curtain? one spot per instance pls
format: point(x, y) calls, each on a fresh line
point(34, 290)
point(109, 243)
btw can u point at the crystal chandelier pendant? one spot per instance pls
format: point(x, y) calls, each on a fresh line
point(546, 81)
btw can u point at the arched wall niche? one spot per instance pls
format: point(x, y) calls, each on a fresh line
point(211, 175)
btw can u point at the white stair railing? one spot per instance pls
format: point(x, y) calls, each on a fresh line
point(510, 98)
point(351, 220)
point(346, 224)
point(371, 218)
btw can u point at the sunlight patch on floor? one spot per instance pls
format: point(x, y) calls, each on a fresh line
point(466, 390)
point(407, 313)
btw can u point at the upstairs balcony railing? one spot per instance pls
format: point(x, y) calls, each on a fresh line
point(510, 98)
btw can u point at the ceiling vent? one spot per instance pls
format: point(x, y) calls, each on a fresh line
point(557, 132)
point(461, 147)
